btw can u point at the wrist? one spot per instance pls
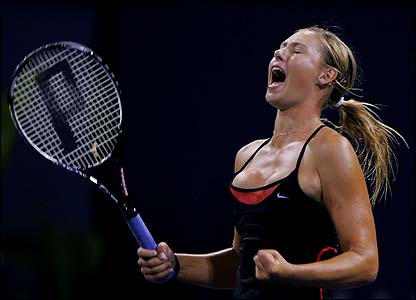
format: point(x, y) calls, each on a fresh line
point(177, 267)
point(294, 273)
point(288, 274)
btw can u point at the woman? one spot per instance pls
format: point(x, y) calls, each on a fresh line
point(302, 212)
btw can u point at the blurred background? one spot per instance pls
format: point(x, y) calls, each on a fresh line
point(193, 77)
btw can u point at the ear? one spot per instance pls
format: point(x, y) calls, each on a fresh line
point(327, 75)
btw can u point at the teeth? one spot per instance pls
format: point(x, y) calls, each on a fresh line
point(278, 69)
point(278, 75)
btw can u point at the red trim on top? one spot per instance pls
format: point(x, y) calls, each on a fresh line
point(252, 197)
point(326, 249)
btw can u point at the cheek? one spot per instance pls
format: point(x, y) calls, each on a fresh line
point(304, 71)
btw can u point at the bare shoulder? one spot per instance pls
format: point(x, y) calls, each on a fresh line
point(245, 152)
point(338, 168)
point(330, 145)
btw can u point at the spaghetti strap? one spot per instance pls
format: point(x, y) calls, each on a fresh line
point(252, 156)
point(306, 143)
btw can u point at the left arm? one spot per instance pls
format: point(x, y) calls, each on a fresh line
point(345, 196)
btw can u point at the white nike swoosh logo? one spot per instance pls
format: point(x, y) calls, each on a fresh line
point(281, 196)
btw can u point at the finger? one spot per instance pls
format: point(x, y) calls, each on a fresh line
point(258, 272)
point(275, 255)
point(258, 261)
point(156, 270)
point(150, 262)
point(266, 253)
point(261, 252)
point(158, 276)
point(146, 253)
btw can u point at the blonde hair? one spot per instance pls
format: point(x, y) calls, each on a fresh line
point(372, 139)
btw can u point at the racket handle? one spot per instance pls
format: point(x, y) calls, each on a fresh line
point(144, 238)
point(135, 222)
point(141, 233)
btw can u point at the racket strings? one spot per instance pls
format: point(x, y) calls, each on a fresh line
point(34, 67)
point(85, 135)
point(31, 85)
point(34, 126)
point(91, 109)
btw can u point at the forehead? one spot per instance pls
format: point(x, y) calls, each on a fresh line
point(306, 37)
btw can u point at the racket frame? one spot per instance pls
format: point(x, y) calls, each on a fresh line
point(129, 212)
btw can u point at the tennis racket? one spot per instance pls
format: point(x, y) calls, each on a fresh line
point(65, 103)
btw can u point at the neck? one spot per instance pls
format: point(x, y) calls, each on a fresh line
point(290, 122)
point(282, 133)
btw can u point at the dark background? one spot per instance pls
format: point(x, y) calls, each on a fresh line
point(193, 78)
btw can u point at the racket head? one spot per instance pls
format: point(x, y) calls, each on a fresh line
point(65, 102)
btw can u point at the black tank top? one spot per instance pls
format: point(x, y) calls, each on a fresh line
point(280, 216)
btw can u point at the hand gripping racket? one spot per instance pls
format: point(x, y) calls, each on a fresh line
point(65, 103)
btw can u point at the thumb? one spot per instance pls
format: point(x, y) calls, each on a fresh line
point(276, 256)
point(259, 260)
point(265, 258)
point(163, 250)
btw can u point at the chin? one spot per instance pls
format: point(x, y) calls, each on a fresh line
point(273, 99)
point(279, 104)
point(272, 102)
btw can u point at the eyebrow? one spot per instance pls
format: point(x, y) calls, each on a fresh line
point(293, 44)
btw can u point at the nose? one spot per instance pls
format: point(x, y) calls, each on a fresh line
point(278, 55)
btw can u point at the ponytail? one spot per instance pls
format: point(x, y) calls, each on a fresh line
point(373, 142)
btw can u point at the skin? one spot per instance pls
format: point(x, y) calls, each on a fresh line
point(329, 173)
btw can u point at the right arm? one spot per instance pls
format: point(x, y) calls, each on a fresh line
point(214, 270)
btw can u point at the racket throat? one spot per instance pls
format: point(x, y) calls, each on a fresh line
point(127, 209)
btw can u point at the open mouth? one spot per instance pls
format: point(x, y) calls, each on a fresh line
point(278, 76)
